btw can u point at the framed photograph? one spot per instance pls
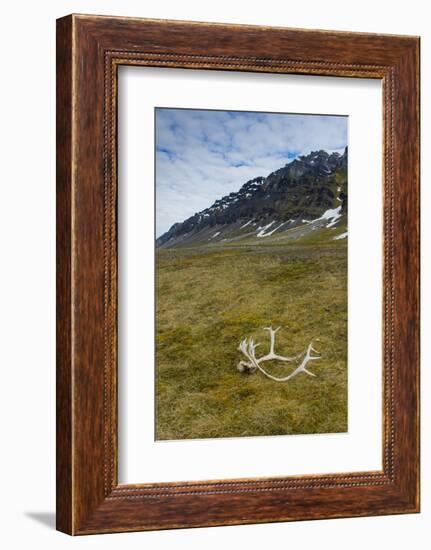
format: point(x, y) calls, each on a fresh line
point(237, 274)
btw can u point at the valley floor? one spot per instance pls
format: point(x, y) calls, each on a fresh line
point(211, 297)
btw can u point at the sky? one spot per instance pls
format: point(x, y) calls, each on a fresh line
point(203, 155)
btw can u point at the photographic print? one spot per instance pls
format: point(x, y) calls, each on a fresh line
point(251, 273)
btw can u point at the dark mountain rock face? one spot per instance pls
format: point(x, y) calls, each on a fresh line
point(299, 191)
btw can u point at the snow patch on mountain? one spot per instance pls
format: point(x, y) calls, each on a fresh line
point(332, 215)
point(261, 230)
point(247, 223)
point(342, 236)
point(269, 233)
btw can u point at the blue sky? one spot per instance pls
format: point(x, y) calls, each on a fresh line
point(204, 155)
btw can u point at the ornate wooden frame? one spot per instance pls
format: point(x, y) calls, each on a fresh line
point(89, 51)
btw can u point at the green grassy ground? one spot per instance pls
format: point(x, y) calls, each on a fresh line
point(209, 298)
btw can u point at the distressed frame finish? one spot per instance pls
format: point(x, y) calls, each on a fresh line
point(89, 51)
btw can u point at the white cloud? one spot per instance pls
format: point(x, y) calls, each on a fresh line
point(203, 155)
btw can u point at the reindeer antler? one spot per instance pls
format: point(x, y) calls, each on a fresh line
point(248, 347)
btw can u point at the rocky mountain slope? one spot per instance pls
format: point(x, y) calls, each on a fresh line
point(309, 191)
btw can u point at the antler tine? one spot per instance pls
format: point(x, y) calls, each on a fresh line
point(248, 347)
point(308, 372)
point(242, 345)
point(252, 346)
point(309, 350)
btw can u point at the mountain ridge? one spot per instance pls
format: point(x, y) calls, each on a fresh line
point(310, 188)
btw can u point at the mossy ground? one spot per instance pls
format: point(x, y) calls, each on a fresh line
point(209, 298)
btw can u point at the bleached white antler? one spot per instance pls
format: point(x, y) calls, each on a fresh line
point(272, 355)
point(248, 347)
